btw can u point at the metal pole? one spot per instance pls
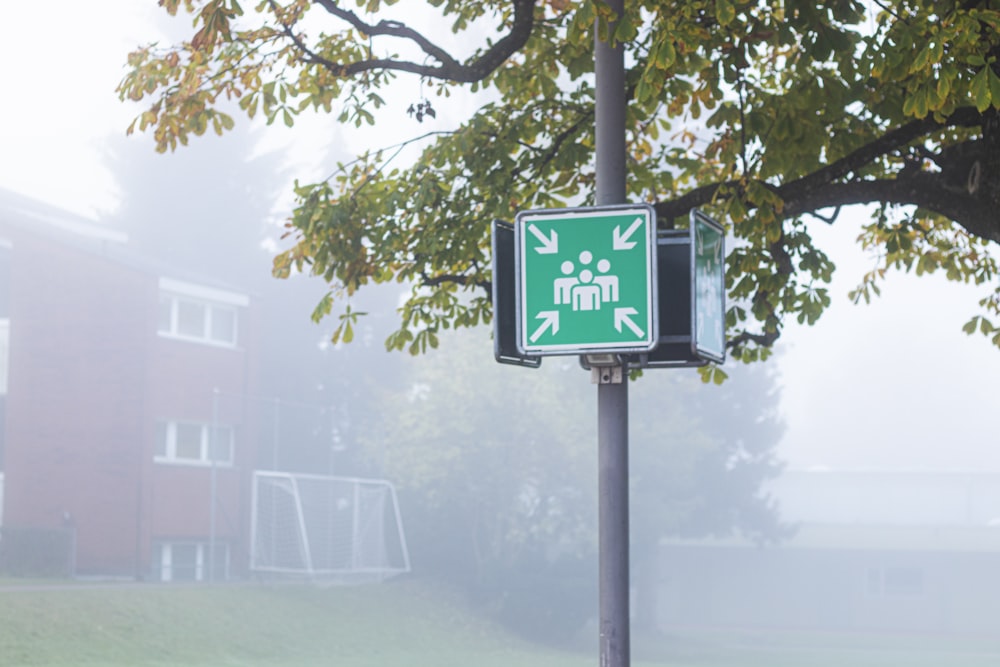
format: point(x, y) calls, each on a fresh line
point(612, 397)
point(212, 451)
point(274, 434)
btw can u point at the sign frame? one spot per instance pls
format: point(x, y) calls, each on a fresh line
point(701, 348)
point(504, 298)
point(564, 218)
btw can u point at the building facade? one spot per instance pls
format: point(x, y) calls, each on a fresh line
point(127, 447)
point(874, 551)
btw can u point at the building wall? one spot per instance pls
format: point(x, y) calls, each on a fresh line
point(194, 382)
point(829, 589)
point(79, 336)
point(89, 379)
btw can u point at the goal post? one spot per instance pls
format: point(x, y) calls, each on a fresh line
point(321, 526)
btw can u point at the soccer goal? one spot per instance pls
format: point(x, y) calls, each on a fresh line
point(322, 527)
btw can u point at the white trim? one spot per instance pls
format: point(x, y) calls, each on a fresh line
point(201, 568)
point(169, 445)
point(209, 308)
point(79, 227)
point(204, 293)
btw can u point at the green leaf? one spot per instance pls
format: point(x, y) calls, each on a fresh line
point(980, 88)
point(324, 306)
point(994, 87)
point(725, 12)
point(789, 88)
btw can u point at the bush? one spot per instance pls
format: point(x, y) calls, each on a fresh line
point(37, 552)
point(542, 599)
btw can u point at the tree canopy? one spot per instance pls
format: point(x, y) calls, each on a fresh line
point(500, 495)
point(772, 114)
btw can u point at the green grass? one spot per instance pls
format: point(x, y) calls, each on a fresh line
point(398, 623)
point(405, 623)
point(815, 649)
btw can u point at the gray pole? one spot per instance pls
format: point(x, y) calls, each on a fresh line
point(212, 447)
point(612, 397)
point(275, 434)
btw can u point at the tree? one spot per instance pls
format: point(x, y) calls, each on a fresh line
point(499, 494)
point(774, 114)
point(509, 468)
point(310, 399)
point(204, 212)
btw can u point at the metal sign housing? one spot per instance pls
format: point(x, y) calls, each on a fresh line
point(505, 299)
point(708, 288)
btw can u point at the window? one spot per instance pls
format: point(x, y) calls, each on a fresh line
point(895, 581)
point(200, 314)
point(192, 443)
point(188, 561)
point(191, 317)
point(223, 324)
point(197, 321)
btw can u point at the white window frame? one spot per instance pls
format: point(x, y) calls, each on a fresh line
point(164, 565)
point(170, 456)
point(879, 582)
point(210, 300)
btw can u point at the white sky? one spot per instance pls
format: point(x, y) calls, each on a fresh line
point(894, 384)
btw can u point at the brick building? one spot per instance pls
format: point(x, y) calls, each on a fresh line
point(120, 399)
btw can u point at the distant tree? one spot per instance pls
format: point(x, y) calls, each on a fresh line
point(497, 471)
point(499, 457)
point(701, 456)
point(206, 211)
point(774, 114)
point(206, 214)
point(737, 427)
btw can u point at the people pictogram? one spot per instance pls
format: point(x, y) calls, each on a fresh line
point(564, 286)
point(586, 294)
point(585, 291)
point(609, 284)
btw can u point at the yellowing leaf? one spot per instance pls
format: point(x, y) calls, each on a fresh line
point(980, 88)
point(725, 12)
point(994, 86)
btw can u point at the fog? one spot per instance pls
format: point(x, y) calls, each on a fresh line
point(173, 420)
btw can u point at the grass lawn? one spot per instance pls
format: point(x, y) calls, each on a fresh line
point(812, 649)
point(405, 623)
point(398, 623)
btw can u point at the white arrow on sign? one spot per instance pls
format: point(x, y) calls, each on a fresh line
point(551, 320)
point(624, 316)
point(549, 246)
point(621, 241)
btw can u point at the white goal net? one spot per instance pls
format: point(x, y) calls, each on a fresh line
point(326, 527)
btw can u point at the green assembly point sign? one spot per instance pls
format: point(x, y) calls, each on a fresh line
point(586, 280)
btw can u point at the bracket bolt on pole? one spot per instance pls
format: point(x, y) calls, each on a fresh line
point(606, 375)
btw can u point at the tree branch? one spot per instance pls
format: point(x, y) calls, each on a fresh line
point(549, 154)
point(458, 279)
point(389, 29)
point(825, 188)
point(448, 68)
point(890, 141)
point(820, 189)
point(922, 189)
